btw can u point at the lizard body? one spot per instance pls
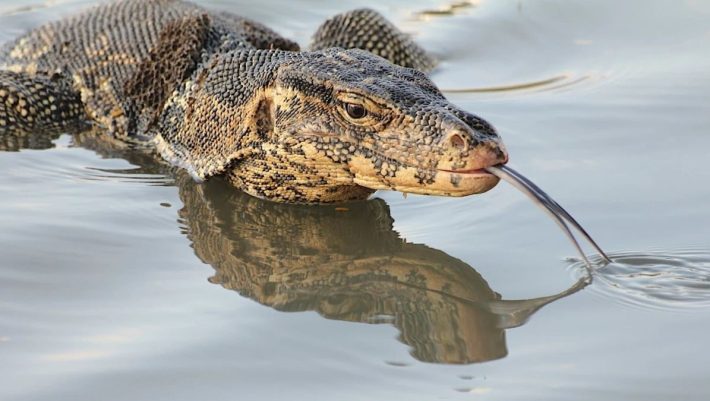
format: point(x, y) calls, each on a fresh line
point(221, 95)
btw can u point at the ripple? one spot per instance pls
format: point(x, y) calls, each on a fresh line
point(132, 175)
point(557, 82)
point(450, 9)
point(677, 279)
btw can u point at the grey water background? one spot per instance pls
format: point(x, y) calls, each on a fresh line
point(120, 279)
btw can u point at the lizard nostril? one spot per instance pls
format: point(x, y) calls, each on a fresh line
point(457, 141)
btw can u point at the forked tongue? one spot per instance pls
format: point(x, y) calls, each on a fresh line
point(546, 203)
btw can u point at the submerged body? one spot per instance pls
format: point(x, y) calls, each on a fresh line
point(218, 94)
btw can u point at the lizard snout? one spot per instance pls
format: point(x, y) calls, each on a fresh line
point(488, 153)
point(466, 150)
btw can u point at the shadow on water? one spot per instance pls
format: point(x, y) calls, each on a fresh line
point(346, 263)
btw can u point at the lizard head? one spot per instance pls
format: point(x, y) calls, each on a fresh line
point(354, 123)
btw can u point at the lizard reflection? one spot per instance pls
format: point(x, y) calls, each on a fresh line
point(16, 141)
point(349, 264)
point(344, 263)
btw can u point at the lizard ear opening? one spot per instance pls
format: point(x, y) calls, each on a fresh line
point(264, 118)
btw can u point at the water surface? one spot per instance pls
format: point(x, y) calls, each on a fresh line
point(123, 279)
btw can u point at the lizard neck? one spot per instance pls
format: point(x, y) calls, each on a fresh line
point(219, 115)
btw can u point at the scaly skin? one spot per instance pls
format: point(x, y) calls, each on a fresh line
point(221, 95)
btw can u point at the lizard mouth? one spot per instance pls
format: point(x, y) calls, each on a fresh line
point(401, 175)
point(475, 179)
point(472, 171)
point(462, 182)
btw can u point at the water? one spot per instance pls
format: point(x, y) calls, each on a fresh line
point(121, 279)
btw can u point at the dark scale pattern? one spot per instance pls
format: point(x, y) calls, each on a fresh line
point(99, 50)
point(103, 49)
point(222, 95)
point(38, 103)
point(169, 63)
point(367, 30)
point(258, 36)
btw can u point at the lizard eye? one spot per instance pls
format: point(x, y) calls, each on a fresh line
point(355, 111)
